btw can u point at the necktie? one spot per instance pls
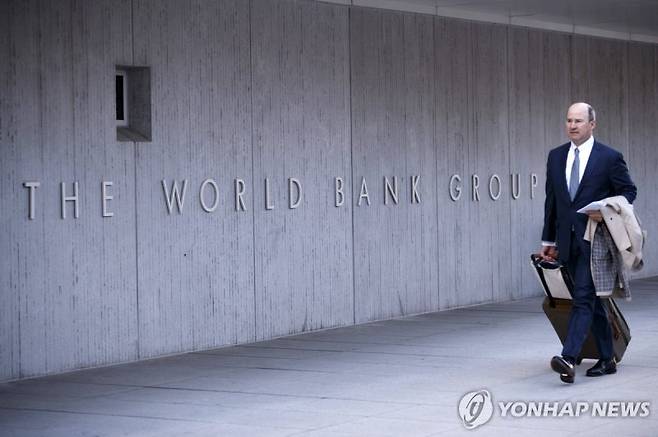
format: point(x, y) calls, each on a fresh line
point(575, 174)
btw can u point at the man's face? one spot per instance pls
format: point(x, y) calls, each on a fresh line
point(579, 128)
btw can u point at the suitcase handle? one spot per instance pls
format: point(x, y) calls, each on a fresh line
point(541, 264)
point(538, 261)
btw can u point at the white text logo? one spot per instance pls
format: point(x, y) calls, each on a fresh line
point(476, 408)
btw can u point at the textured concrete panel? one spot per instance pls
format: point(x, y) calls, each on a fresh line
point(20, 158)
point(621, 91)
point(472, 119)
point(303, 256)
point(490, 229)
point(643, 127)
point(195, 267)
point(453, 127)
point(539, 95)
point(600, 77)
point(68, 288)
point(106, 268)
point(395, 245)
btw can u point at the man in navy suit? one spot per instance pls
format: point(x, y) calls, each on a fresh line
point(578, 173)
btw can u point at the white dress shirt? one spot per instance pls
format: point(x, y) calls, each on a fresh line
point(584, 150)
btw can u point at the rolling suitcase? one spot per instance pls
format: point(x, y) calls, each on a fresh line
point(558, 285)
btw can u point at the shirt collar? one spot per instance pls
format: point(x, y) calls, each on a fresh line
point(586, 147)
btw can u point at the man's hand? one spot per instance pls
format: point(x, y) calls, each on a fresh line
point(596, 216)
point(549, 253)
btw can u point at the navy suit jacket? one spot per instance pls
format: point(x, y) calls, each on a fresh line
point(606, 175)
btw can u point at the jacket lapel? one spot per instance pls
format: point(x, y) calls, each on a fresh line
point(562, 165)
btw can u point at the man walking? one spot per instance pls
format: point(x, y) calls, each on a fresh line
point(578, 173)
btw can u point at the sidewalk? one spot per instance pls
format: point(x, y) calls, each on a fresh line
point(400, 377)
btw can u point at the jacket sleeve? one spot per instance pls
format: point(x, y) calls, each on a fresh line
point(621, 179)
point(548, 233)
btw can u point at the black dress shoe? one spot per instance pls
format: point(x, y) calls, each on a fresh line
point(602, 367)
point(566, 378)
point(565, 367)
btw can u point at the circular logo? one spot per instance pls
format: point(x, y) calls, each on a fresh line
point(475, 408)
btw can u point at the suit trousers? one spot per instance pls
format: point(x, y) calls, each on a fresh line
point(587, 311)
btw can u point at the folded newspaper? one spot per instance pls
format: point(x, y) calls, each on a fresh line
point(595, 206)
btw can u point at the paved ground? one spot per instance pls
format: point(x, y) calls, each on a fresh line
point(395, 378)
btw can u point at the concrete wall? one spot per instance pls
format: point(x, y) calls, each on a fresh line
point(273, 90)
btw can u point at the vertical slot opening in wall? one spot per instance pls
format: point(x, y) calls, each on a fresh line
point(121, 98)
point(132, 96)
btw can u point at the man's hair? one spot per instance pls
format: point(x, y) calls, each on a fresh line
point(591, 113)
